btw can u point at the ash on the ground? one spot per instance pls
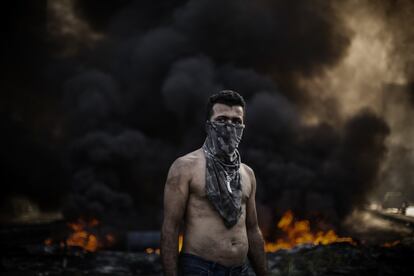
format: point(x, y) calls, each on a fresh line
point(333, 259)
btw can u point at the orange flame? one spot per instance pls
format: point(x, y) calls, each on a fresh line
point(80, 236)
point(299, 232)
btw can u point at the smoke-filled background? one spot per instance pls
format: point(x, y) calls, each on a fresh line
point(98, 98)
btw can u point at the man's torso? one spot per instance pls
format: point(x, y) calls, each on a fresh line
point(205, 233)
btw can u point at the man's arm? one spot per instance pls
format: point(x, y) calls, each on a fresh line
point(175, 200)
point(256, 252)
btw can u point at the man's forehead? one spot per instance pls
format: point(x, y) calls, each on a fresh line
point(224, 109)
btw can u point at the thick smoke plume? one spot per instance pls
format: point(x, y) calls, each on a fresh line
point(122, 87)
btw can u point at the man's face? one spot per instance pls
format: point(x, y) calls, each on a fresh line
point(223, 113)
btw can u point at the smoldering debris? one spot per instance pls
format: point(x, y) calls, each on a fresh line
point(335, 259)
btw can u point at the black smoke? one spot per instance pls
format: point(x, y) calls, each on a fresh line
point(113, 117)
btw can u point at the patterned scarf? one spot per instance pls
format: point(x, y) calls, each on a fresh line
point(223, 187)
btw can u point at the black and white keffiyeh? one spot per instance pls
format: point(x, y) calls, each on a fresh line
point(223, 186)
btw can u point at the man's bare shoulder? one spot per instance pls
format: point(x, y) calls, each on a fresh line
point(184, 164)
point(250, 173)
point(248, 170)
point(193, 156)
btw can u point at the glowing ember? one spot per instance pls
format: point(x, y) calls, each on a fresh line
point(391, 244)
point(152, 251)
point(180, 242)
point(110, 239)
point(81, 236)
point(48, 242)
point(158, 251)
point(299, 232)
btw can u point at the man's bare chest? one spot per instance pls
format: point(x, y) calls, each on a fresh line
point(198, 183)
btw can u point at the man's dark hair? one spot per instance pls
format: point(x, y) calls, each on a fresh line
point(227, 97)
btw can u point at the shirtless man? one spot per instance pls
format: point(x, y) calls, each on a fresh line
point(214, 193)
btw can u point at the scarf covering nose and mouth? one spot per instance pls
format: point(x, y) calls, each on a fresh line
point(223, 187)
